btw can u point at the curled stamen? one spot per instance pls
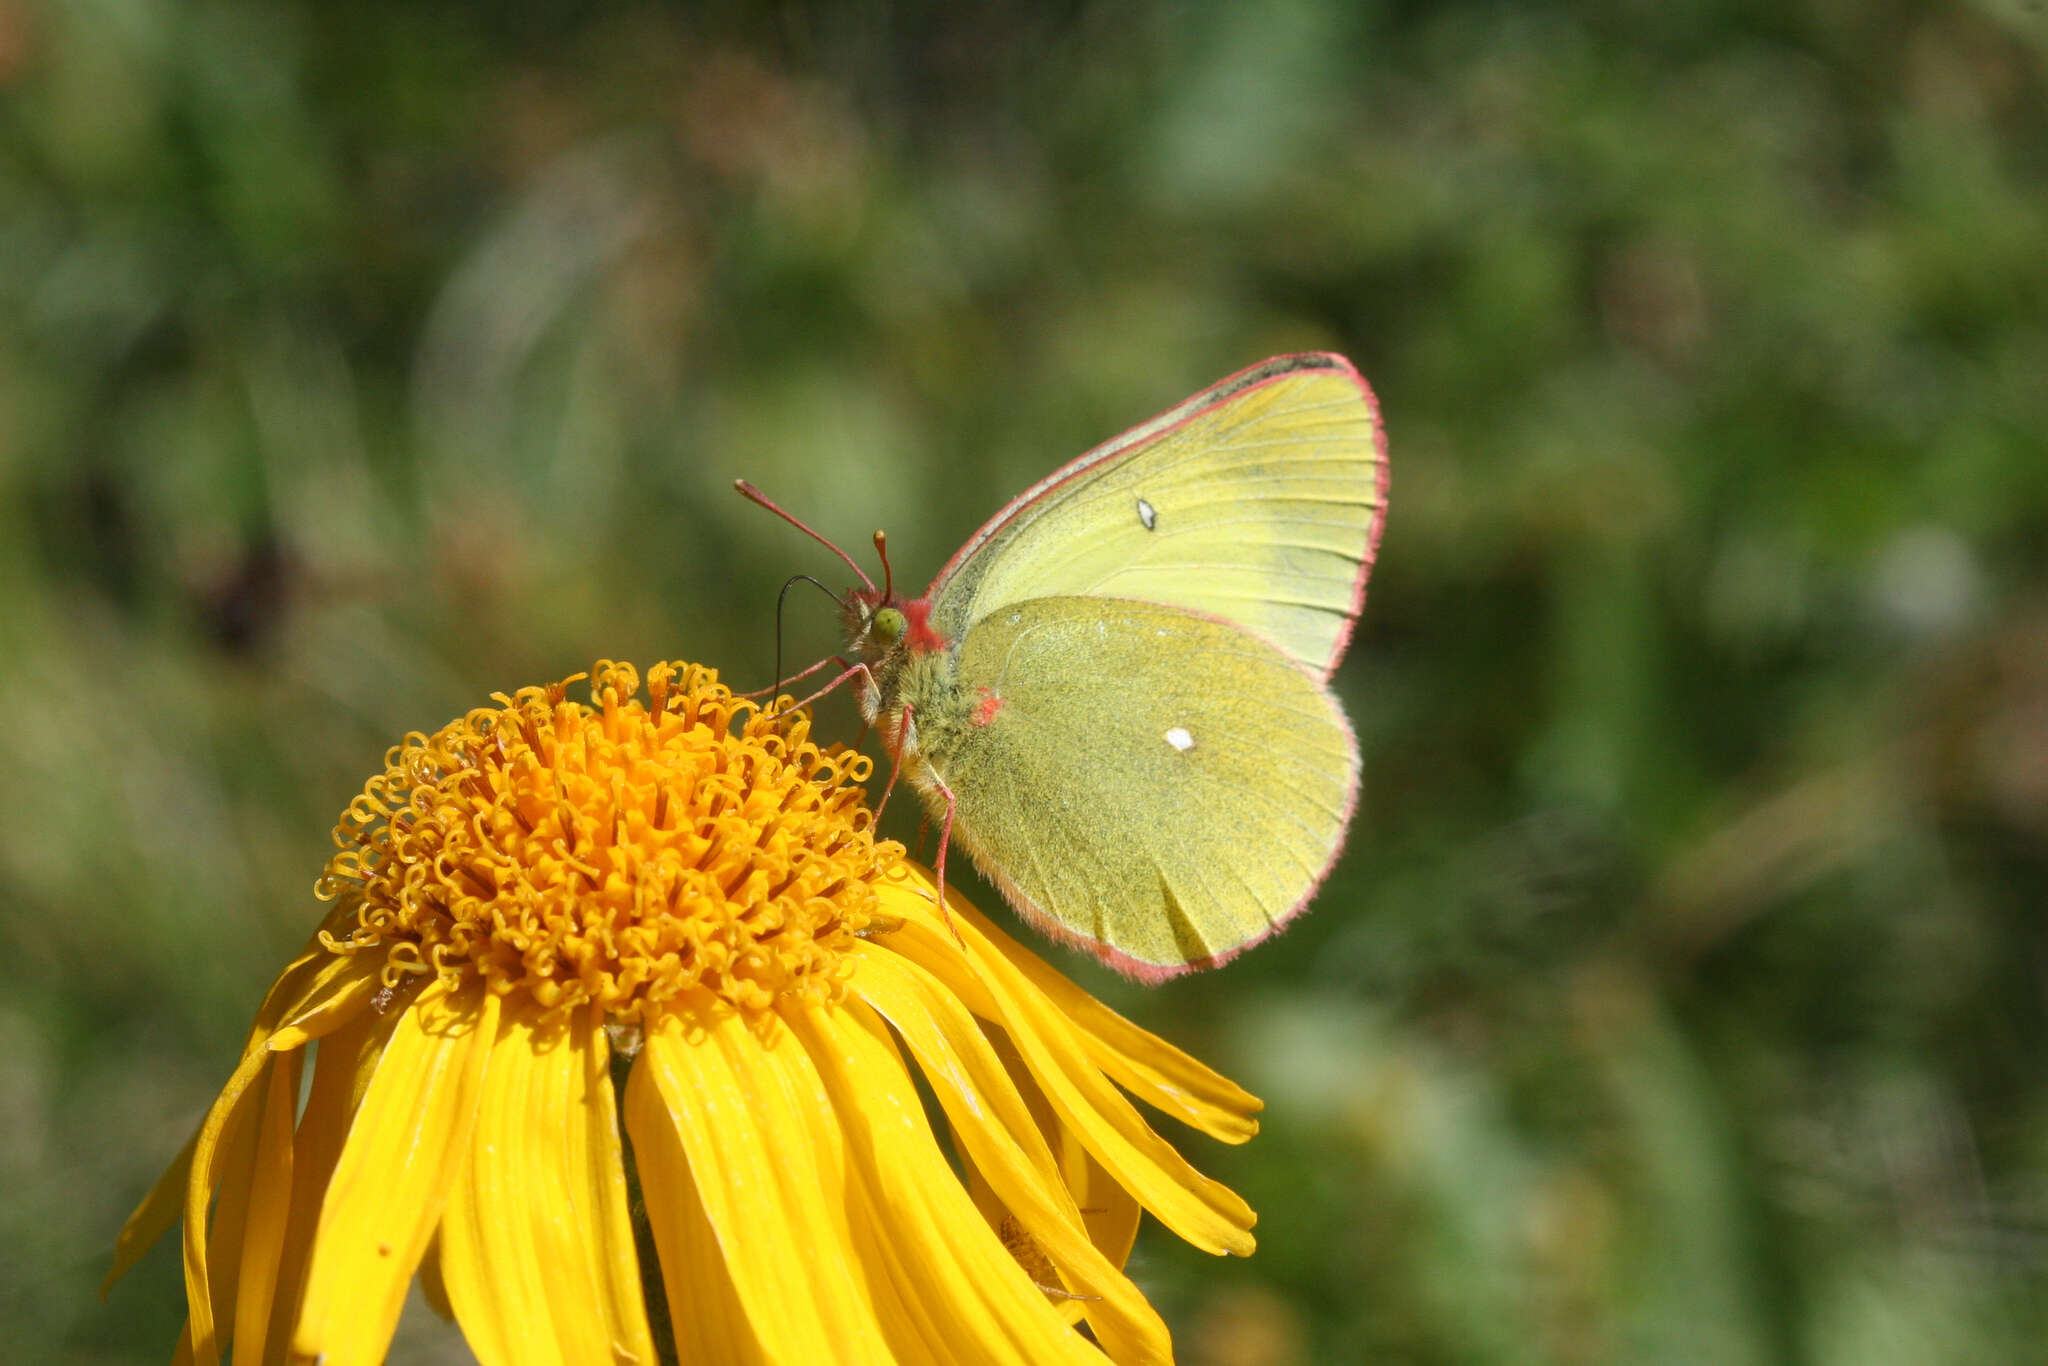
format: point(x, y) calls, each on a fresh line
point(611, 854)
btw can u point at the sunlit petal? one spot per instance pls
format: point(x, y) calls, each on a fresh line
point(695, 884)
point(1110, 1211)
point(433, 1288)
point(594, 1165)
point(220, 1157)
point(991, 1120)
point(1141, 1062)
point(705, 1311)
point(947, 1260)
point(341, 1074)
point(527, 1232)
point(307, 980)
point(736, 1107)
point(268, 1208)
point(409, 1137)
point(1204, 1212)
point(316, 995)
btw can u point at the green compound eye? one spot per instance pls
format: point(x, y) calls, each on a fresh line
point(888, 626)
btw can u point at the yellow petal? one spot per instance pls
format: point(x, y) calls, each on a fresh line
point(536, 1243)
point(945, 1037)
point(1204, 1212)
point(708, 1320)
point(433, 1288)
point(220, 1156)
point(269, 1208)
point(341, 996)
point(341, 1074)
point(317, 993)
point(238, 1260)
point(1141, 1062)
point(309, 977)
point(599, 1198)
point(1111, 1212)
point(735, 1104)
point(405, 1147)
point(992, 1122)
point(1112, 1218)
point(914, 1339)
point(925, 1230)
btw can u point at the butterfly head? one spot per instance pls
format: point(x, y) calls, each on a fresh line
point(881, 625)
point(874, 625)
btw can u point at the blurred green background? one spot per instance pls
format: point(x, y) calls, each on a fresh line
point(1681, 995)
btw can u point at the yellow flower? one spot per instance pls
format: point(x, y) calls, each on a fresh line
point(686, 893)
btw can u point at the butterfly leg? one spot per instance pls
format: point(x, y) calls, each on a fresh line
point(895, 772)
point(780, 682)
point(905, 729)
point(851, 670)
point(945, 843)
point(895, 753)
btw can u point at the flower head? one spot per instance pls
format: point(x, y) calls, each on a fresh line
point(686, 892)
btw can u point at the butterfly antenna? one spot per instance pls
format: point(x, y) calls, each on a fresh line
point(754, 495)
point(781, 598)
point(888, 574)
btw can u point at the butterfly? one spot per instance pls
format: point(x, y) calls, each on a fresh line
point(1116, 697)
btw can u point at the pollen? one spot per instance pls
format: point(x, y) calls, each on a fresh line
point(627, 852)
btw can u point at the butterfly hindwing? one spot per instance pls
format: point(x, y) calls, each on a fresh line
point(1163, 787)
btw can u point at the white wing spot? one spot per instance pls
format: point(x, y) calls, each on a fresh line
point(1148, 514)
point(1180, 739)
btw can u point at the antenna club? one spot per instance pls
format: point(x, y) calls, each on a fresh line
point(888, 574)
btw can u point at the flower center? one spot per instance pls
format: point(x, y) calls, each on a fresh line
point(623, 852)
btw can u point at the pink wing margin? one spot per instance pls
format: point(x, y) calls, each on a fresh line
point(1119, 447)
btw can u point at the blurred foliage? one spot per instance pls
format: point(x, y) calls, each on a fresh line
point(1681, 998)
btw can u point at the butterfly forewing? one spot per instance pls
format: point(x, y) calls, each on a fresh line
point(1164, 817)
point(1258, 501)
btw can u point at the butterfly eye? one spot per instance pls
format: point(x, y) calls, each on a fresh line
point(888, 626)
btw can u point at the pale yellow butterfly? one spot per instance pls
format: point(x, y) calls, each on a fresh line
point(1115, 696)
